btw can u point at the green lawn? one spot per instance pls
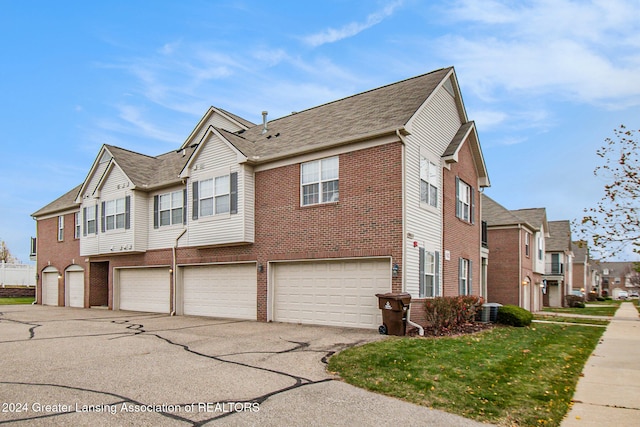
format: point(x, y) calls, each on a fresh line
point(507, 376)
point(16, 300)
point(564, 319)
point(590, 310)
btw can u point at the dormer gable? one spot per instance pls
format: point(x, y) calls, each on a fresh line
point(212, 140)
point(216, 117)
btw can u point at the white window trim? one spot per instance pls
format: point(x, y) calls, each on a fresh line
point(61, 228)
point(214, 196)
point(77, 230)
point(179, 195)
point(426, 272)
point(464, 276)
point(319, 181)
point(115, 215)
point(429, 203)
point(91, 217)
point(464, 202)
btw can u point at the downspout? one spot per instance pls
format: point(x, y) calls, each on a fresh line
point(174, 268)
point(404, 232)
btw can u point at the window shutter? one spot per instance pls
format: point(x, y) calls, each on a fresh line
point(127, 212)
point(436, 280)
point(421, 288)
point(473, 205)
point(195, 200)
point(233, 194)
point(458, 213)
point(460, 281)
point(84, 221)
point(184, 206)
point(156, 202)
point(102, 217)
point(469, 279)
point(96, 217)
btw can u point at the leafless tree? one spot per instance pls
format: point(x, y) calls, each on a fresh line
point(5, 253)
point(613, 223)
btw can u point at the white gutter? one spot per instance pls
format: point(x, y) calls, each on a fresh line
point(173, 267)
point(404, 230)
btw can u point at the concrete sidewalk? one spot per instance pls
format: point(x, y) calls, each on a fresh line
point(608, 394)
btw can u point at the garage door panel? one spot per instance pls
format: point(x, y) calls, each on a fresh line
point(220, 291)
point(76, 288)
point(337, 293)
point(50, 288)
point(145, 289)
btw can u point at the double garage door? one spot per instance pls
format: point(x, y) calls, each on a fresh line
point(210, 290)
point(334, 293)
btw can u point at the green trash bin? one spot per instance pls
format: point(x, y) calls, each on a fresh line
point(394, 308)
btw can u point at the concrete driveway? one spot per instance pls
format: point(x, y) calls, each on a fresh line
point(63, 366)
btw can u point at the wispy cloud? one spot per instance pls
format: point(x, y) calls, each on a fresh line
point(331, 35)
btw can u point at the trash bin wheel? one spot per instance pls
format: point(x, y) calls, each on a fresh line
point(382, 329)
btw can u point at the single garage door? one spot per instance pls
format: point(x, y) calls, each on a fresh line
point(50, 287)
point(335, 293)
point(75, 288)
point(220, 291)
point(144, 289)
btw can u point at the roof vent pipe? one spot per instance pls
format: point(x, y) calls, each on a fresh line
point(264, 121)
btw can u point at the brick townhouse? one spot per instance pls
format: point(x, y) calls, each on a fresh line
point(299, 219)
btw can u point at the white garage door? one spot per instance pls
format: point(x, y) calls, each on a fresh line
point(220, 291)
point(75, 288)
point(145, 289)
point(335, 293)
point(50, 288)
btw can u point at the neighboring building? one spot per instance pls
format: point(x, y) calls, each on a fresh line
point(558, 277)
point(618, 276)
point(301, 219)
point(61, 269)
point(516, 241)
point(582, 272)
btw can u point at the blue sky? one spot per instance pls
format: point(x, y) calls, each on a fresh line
point(546, 82)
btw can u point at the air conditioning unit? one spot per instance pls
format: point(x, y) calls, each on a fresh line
point(488, 312)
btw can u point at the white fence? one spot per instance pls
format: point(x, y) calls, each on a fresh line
point(17, 274)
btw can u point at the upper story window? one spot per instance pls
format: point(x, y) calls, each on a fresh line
point(115, 214)
point(464, 201)
point(76, 232)
point(464, 276)
point(215, 196)
point(169, 208)
point(428, 182)
point(319, 181)
point(90, 215)
point(540, 248)
point(527, 243)
point(60, 228)
point(429, 282)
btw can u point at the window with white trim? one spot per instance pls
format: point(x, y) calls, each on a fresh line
point(215, 196)
point(114, 214)
point(60, 228)
point(428, 182)
point(464, 201)
point(429, 282)
point(527, 243)
point(319, 181)
point(464, 276)
point(90, 220)
point(76, 233)
point(170, 208)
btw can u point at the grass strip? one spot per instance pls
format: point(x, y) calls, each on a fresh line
point(505, 376)
point(16, 300)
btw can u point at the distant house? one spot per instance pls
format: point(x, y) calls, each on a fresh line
point(558, 276)
point(583, 273)
point(301, 219)
point(616, 276)
point(516, 241)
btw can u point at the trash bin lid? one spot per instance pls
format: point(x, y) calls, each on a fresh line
point(398, 296)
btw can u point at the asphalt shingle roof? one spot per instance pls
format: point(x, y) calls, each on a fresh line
point(62, 203)
point(560, 236)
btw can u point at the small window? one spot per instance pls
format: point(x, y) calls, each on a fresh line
point(114, 214)
point(60, 228)
point(170, 206)
point(540, 248)
point(76, 233)
point(527, 242)
point(429, 283)
point(214, 196)
point(319, 181)
point(464, 201)
point(428, 182)
point(464, 275)
point(90, 220)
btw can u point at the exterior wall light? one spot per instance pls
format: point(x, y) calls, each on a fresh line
point(395, 270)
point(260, 268)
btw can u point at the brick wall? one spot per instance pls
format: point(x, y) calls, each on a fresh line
point(502, 272)
point(57, 254)
point(13, 292)
point(460, 238)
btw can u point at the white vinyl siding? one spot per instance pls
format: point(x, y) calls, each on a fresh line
point(217, 159)
point(431, 130)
